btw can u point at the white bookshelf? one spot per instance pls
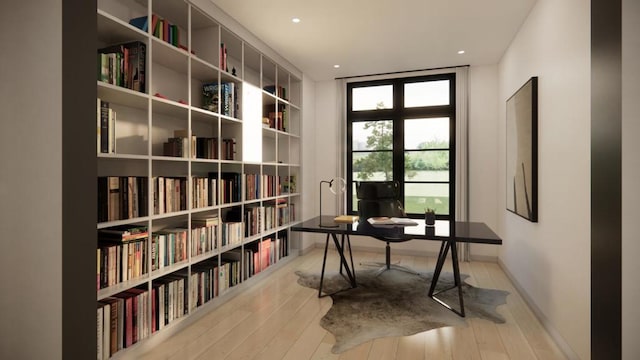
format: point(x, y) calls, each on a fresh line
point(172, 100)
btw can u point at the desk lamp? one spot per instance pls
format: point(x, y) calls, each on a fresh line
point(335, 185)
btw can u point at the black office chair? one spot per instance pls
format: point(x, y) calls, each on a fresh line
point(381, 198)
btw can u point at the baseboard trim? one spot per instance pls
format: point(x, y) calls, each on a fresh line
point(555, 334)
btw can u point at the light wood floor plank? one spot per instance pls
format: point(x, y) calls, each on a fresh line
point(276, 318)
point(411, 347)
point(384, 348)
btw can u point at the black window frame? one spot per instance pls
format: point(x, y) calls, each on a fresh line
point(397, 114)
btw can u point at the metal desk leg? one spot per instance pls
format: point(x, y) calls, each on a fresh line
point(324, 262)
point(343, 261)
point(442, 256)
point(350, 253)
point(456, 275)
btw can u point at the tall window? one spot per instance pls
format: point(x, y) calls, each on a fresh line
point(404, 130)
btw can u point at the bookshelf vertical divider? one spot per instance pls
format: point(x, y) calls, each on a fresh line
point(186, 216)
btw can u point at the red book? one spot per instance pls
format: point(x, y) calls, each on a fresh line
point(265, 246)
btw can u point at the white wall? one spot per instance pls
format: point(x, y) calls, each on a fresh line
point(483, 152)
point(550, 260)
point(308, 144)
point(31, 181)
point(630, 179)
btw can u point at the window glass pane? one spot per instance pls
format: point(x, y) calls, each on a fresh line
point(372, 98)
point(427, 93)
point(418, 197)
point(426, 165)
point(373, 135)
point(430, 133)
point(373, 166)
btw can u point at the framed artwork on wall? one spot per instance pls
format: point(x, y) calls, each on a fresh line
point(522, 151)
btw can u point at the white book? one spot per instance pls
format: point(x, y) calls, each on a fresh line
point(106, 331)
point(100, 328)
point(171, 301)
point(161, 307)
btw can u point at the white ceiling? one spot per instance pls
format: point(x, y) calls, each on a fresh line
point(378, 36)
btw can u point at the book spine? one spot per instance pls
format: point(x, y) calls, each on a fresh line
point(104, 127)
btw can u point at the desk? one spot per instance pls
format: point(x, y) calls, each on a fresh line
point(443, 231)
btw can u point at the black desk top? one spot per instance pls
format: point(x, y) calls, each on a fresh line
point(467, 232)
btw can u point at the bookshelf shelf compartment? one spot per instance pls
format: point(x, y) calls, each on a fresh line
point(112, 30)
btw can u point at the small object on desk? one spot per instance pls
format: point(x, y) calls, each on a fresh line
point(385, 220)
point(347, 219)
point(430, 217)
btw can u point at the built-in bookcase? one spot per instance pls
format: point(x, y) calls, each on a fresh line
point(198, 147)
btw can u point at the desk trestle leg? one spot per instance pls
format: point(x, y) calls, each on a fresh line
point(442, 256)
point(340, 246)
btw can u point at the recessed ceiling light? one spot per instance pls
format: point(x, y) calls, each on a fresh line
point(295, 20)
point(336, 66)
point(460, 52)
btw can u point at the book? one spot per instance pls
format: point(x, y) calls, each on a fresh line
point(104, 126)
point(123, 65)
point(347, 219)
point(123, 233)
point(385, 220)
point(140, 22)
point(100, 330)
point(210, 98)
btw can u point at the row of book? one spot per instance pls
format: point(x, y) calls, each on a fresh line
point(123, 65)
point(204, 281)
point(169, 300)
point(122, 250)
point(286, 213)
point(162, 28)
point(204, 235)
point(169, 194)
point(122, 320)
point(266, 217)
point(221, 98)
point(204, 192)
point(198, 147)
point(183, 145)
point(231, 233)
point(106, 127)
point(263, 218)
point(180, 145)
point(122, 197)
point(278, 91)
point(117, 263)
point(168, 247)
point(278, 120)
point(229, 186)
point(125, 197)
point(261, 186)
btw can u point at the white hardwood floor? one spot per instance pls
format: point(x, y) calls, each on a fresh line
point(279, 319)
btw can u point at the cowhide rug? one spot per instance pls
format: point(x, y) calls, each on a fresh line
point(395, 303)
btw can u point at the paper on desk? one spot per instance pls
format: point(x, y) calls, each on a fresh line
point(385, 220)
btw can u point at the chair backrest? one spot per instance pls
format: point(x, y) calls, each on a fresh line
point(378, 198)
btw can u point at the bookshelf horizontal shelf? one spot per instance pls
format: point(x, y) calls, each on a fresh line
point(120, 287)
